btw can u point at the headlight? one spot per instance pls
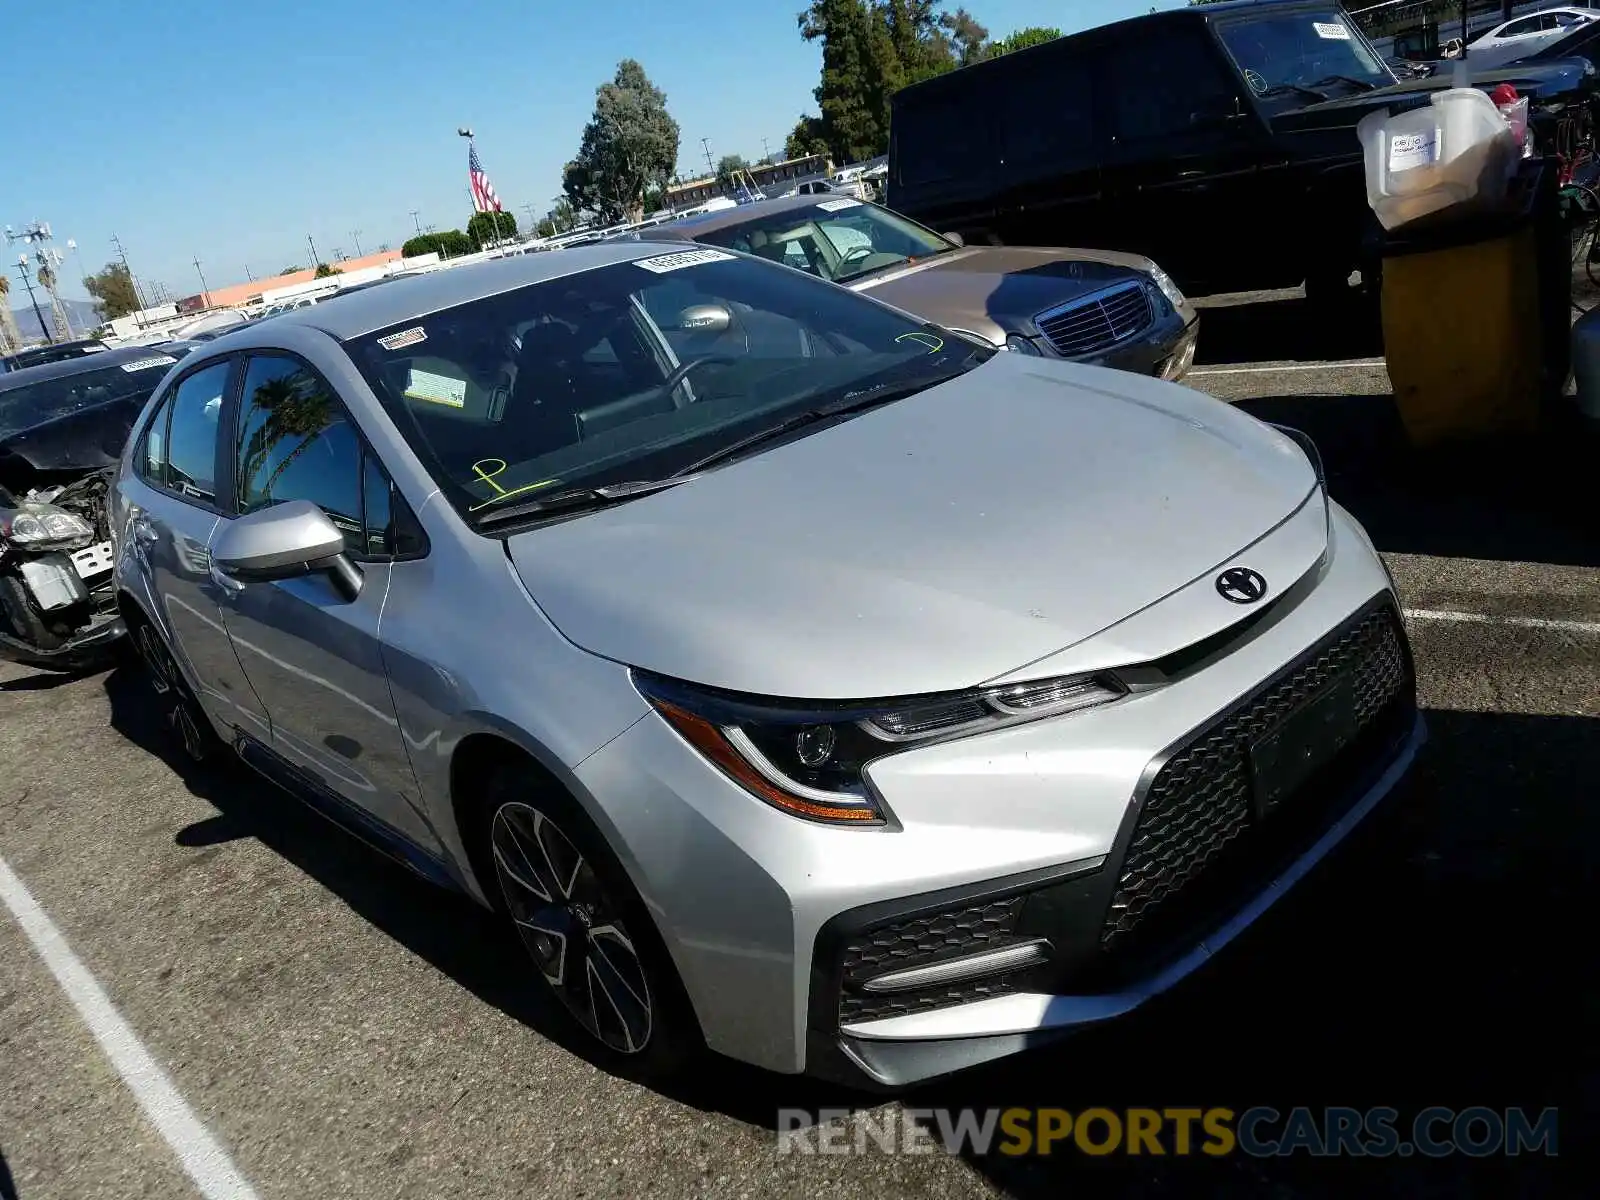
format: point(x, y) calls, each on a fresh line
point(810, 760)
point(45, 527)
point(1022, 345)
point(1168, 288)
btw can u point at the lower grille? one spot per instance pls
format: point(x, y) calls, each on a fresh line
point(1095, 323)
point(1198, 820)
point(918, 942)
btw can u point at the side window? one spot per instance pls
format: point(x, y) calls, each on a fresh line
point(943, 139)
point(1182, 83)
point(296, 443)
point(391, 529)
point(1047, 119)
point(191, 449)
point(151, 464)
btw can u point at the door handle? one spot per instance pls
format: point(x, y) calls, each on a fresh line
point(229, 585)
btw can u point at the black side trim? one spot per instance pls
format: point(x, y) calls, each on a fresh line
point(357, 822)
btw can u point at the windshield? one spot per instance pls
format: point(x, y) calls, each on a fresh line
point(634, 371)
point(1303, 55)
point(49, 399)
point(838, 239)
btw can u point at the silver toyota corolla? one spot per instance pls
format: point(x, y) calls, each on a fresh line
point(798, 679)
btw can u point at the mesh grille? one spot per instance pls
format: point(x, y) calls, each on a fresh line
point(917, 942)
point(1096, 323)
point(1198, 809)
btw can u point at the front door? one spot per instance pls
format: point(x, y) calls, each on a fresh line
point(313, 656)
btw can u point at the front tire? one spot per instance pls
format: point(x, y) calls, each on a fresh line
point(584, 929)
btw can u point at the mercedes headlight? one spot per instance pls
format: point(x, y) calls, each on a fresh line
point(810, 760)
point(1168, 289)
point(1022, 345)
point(45, 527)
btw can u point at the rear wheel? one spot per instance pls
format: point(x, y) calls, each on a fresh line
point(180, 711)
point(584, 928)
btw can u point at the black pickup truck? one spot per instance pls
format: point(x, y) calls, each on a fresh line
point(1217, 139)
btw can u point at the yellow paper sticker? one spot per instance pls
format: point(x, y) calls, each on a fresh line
point(436, 389)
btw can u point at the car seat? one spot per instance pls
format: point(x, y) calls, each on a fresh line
point(546, 396)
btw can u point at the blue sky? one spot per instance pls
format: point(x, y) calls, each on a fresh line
point(230, 132)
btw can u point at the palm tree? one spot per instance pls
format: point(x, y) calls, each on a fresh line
point(295, 407)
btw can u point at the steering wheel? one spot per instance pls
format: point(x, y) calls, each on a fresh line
point(683, 369)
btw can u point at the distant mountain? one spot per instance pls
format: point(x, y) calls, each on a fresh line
point(80, 312)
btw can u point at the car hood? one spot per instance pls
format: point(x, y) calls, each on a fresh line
point(86, 439)
point(1002, 287)
point(935, 543)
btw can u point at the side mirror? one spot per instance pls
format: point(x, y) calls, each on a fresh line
point(286, 541)
point(955, 238)
point(705, 318)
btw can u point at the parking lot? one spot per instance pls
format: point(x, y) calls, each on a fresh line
point(338, 1028)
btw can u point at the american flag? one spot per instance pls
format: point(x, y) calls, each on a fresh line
point(483, 197)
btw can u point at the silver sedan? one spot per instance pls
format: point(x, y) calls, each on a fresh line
point(796, 679)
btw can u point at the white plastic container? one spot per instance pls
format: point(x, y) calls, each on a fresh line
point(1457, 153)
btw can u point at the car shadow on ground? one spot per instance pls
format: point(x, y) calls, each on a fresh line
point(1429, 961)
point(8, 1186)
point(1238, 330)
point(445, 928)
point(1515, 499)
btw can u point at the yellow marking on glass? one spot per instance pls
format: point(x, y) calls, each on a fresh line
point(516, 491)
point(933, 342)
point(488, 476)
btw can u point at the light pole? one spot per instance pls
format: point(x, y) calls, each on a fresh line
point(466, 132)
point(27, 282)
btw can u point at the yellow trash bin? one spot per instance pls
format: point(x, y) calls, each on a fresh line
point(1462, 333)
point(1467, 322)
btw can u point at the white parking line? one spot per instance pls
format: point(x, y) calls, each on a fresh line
point(202, 1158)
point(1262, 370)
point(1471, 618)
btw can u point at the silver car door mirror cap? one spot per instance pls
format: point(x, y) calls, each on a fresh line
point(286, 540)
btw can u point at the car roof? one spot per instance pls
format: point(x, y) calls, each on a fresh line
point(1128, 26)
point(77, 366)
point(353, 315)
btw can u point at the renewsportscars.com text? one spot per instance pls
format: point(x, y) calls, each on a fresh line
point(1208, 1132)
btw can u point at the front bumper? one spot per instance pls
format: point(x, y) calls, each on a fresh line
point(1020, 835)
point(88, 648)
point(1166, 350)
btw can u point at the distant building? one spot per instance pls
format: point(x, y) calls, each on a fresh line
point(768, 175)
point(236, 294)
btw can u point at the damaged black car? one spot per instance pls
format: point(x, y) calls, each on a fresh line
point(62, 429)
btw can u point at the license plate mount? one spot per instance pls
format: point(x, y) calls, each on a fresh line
point(92, 560)
point(1303, 743)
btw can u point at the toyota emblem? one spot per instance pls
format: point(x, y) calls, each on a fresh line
point(1241, 585)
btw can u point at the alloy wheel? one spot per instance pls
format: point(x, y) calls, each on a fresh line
point(167, 682)
point(572, 927)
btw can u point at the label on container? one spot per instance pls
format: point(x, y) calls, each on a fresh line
point(1408, 150)
point(1333, 31)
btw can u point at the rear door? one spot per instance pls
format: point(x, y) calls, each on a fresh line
point(1184, 157)
point(174, 508)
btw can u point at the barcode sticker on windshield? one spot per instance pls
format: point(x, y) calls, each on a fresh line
point(1334, 31)
point(836, 205)
point(144, 364)
point(407, 337)
point(436, 389)
point(676, 262)
point(1409, 150)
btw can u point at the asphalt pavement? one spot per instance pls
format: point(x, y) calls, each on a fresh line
point(324, 1025)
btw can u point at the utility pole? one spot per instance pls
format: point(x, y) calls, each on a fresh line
point(766, 151)
point(138, 295)
point(315, 261)
point(338, 254)
point(417, 223)
point(247, 274)
point(205, 292)
point(711, 167)
point(355, 236)
point(27, 282)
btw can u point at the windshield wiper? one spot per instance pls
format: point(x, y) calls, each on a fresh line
point(1278, 89)
point(1365, 85)
point(575, 499)
point(852, 402)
